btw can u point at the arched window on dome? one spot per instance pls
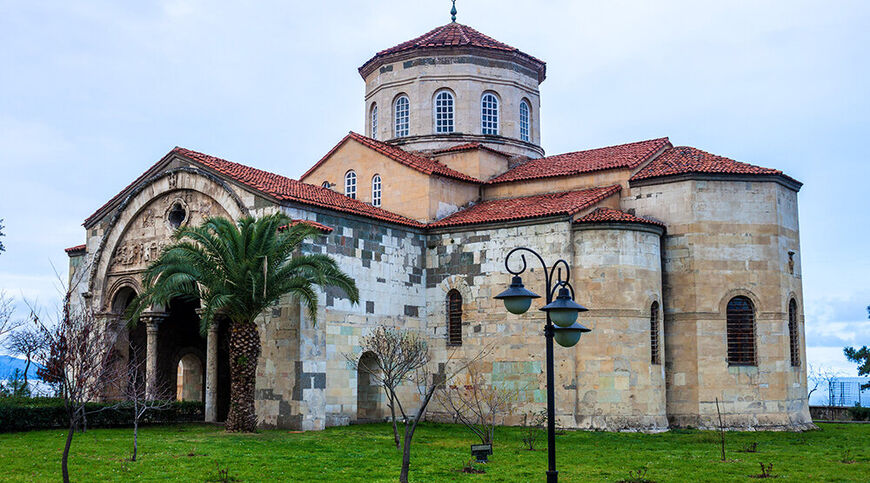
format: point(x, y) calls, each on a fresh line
point(376, 190)
point(402, 116)
point(794, 334)
point(350, 184)
point(525, 120)
point(655, 353)
point(444, 112)
point(374, 121)
point(454, 318)
point(489, 114)
point(740, 316)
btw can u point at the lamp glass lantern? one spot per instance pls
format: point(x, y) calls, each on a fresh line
point(569, 336)
point(517, 298)
point(563, 311)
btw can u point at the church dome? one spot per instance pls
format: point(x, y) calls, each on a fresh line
point(451, 86)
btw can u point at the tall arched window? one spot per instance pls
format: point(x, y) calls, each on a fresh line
point(655, 357)
point(443, 112)
point(741, 332)
point(525, 120)
point(794, 334)
point(489, 114)
point(376, 190)
point(374, 121)
point(402, 116)
point(350, 184)
point(454, 318)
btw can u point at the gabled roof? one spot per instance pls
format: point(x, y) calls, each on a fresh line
point(457, 35)
point(420, 163)
point(610, 215)
point(470, 147)
point(627, 156)
point(76, 250)
point(537, 206)
point(276, 186)
point(688, 160)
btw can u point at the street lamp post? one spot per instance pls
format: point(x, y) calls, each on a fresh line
point(561, 326)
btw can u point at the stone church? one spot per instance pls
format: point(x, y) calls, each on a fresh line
point(688, 261)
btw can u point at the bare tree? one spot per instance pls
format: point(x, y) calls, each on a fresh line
point(7, 309)
point(29, 342)
point(426, 380)
point(478, 405)
point(132, 388)
point(821, 377)
point(80, 361)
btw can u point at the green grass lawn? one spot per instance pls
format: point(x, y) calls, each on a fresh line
point(364, 453)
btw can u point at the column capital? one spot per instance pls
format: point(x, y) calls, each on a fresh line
point(153, 319)
point(215, 321)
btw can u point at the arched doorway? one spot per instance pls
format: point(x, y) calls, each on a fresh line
point(368, 392)
point(189, 386)
point(130, 344)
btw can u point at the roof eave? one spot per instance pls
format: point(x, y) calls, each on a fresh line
point(526, 60)
point(778, 178)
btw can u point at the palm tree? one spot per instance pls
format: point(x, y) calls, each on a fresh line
point(238, 270)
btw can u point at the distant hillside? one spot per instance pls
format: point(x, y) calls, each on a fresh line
point(8, 364)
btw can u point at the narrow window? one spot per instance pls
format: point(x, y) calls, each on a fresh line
point(374, 125)
point(376, 190)
point(402, 117)
point(325, 184)
point(454, 318)
point(741, 332)
point(794, 334)
point(444, 112)
point(489, 114)
point(654, 333)
point(350, 184)
point(524, 120)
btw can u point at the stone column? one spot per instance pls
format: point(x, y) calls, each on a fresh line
point(211, 373)
point(152, 323)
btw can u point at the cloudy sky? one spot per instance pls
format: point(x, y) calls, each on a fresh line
point(92, 93)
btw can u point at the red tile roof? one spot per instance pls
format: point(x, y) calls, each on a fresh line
point(319, 226)
point(686, 159)
point(75, 250)
point(411, 160)
point(564, 203)
point(471, 147)
point(457, 35)
point(628, 156)
point(610, 215)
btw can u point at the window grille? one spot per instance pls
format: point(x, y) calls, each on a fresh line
point(376, 190)
point(654, 333)
point(402, 117)
point(524, 121)
point(454, 318)
point(350, 184)
point(374, 125)
point(794, 334)
point(444, 112)
point(741, 332)
point(489, 114)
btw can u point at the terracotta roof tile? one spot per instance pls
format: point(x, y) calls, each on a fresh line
point(471, 147)
point(610, 215)
point(564, 203)
point(686, 159)
point(75, 250)
point(411, 160)
point(319, 226)
point(628, 156)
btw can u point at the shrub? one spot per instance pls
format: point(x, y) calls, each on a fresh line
point(859, 413)
point(27, 414)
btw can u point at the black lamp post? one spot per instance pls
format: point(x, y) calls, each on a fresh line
point(561, 325)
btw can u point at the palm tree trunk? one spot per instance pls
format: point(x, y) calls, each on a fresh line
point(244, 353)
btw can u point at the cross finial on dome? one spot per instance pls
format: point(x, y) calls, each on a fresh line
point(453, 11)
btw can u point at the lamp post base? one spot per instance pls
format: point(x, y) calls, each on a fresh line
point(552, 476)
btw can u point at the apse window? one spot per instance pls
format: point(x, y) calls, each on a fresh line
point(454, 318)
point(741, 332)
point(376, 190)
point(374, 122)
point(524, 120)
point(489, 114)
point(794, 334)
point(403, 116)
point(655, 353)
point(176, 215)
point(444, 112)
point(350, 184)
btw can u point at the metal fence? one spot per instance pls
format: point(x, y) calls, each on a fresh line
point(846, 391)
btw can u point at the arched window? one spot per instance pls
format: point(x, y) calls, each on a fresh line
point(443, 112)
point(325, 184)
point(376, 190)
point(655, 358)
point(374, 122)
point(741, 332)
point(350, 184)
point(402, 116)
point(794, 334)
point(489, 114)
point(525, 119)
point(454, 318)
